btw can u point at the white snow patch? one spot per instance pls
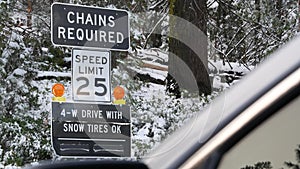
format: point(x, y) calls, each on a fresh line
point(19, 72)
point(143, 132)
point(153, 54)
point(45, 49)
point(14, 45)
point(218, 84)
point(22, 56)
point(22, 140)
point(55, 74)
point(157, 74)
point(212, 4)
point(68, 59)
point(10, 167)
point(237, 67)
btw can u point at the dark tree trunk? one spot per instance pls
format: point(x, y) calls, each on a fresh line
point(29, 10)
point(298, 16)
point(188, 46)
point(256, 31)
point(257, 10)
point(278, 7)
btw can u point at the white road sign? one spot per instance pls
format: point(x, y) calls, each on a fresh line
point(91, 75)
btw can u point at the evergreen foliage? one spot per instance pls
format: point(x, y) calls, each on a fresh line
point(268, 165)
point(293, 165)
point(259, 165)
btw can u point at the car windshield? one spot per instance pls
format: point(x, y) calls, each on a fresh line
point(93, 79)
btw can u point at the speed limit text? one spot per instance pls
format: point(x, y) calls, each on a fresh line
point(90, 70)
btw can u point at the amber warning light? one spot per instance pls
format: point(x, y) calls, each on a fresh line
point(119, 94)
point(58, 91)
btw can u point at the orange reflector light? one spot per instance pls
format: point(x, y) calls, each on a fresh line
point(58, 90)
point(118, 93)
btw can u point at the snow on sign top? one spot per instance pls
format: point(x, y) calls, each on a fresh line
point(91, 27)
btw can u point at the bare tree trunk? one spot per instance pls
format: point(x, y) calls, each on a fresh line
point(256, 31)
point(279, 15)
point(29, 10)
point(257, 10)
point(298, 16)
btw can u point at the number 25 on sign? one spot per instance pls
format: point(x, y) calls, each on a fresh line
point(91, 75)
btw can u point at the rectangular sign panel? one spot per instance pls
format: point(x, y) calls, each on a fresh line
point(91, 130)
point(92, 27)
point(91, 75)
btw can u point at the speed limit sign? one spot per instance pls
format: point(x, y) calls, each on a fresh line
point(91, 75)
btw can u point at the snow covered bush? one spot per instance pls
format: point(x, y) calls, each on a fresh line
point(155, 115)
point(24, 136)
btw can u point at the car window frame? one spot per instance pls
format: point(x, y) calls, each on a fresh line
point(210, 154)
point(271, 142)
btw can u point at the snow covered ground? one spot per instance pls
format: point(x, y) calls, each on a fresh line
point(154, 114)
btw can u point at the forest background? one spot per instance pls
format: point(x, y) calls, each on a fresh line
point(239, 35)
